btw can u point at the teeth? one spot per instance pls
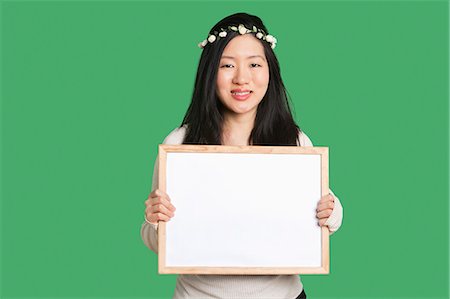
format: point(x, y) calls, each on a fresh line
point(241, 93)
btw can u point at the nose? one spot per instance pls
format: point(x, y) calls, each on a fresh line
point(241, 76)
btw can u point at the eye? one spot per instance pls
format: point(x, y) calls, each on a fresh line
point(226, 65)
point(255, 64)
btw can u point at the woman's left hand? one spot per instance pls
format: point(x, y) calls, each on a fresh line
point(324, 208)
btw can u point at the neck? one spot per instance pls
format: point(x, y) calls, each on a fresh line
point(237, 128)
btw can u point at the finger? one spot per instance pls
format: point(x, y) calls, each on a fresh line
point(155, 217)
point(153, 193)
point(148, 218)
point(163, 201)
point(159, 193)
point(159, 209)
point(148, 202)
point(325, 205)
point(324, 214)
point(322, 221)
point(326, 198)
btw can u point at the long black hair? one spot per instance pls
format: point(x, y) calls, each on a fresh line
point(274, 124)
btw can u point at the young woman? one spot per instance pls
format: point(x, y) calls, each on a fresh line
point(239, 99)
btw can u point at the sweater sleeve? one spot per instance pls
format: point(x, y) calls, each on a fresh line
point(149, 231)
point(333, 222)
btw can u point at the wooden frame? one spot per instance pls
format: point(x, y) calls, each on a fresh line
point(319, 234)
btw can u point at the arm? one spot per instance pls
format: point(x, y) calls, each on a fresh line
point(334, 221)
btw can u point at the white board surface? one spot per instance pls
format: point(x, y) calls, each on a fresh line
point(243, 210)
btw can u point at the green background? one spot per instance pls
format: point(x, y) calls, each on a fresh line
point(90, 88)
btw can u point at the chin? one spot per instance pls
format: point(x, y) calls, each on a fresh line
point(242, 111)
point(236, 107)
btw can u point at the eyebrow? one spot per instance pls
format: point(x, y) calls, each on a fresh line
point(252, 56)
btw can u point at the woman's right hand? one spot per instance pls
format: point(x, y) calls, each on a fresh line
point(158, 207)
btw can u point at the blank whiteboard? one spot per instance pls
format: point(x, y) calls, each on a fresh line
point(243, 210)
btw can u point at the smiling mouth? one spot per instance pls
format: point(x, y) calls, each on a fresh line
point(241, 93)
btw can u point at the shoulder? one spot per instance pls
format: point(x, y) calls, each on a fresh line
point(304, 139)
point(176, 136)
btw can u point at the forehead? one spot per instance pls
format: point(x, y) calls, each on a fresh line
point(244, 46)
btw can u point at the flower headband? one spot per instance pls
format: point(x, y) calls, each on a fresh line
point(242, 30)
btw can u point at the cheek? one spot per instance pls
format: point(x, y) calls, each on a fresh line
point(222, 87)
point(222, 82)
point(219, 87)
point(262, 80)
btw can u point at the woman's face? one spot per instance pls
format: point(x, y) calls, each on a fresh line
point(243, 75)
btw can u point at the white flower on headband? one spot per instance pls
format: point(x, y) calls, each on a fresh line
point(269, 38)
point(260, 34)
point(202, 44)
point(272, 40)
point(211, 38)
point(242, 29)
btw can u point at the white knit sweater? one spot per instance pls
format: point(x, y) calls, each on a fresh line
point(233, 286)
